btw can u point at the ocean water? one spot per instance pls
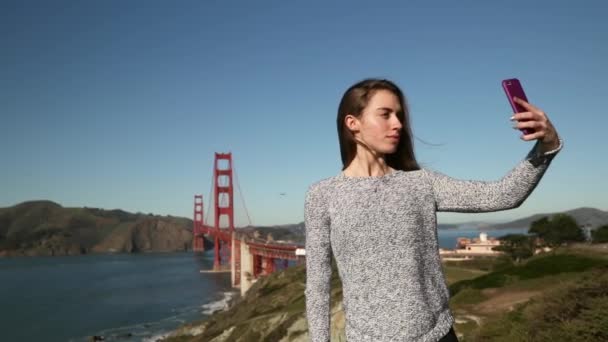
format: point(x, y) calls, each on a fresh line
point(448, 237)
point(124, 297)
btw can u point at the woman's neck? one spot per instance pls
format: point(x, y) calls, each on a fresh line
point(367, 165)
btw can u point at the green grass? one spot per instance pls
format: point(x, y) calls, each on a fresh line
point(573, 287)
point(572, 311)
point(454, 274)
point(467, 296)
point(538, 267)
point(481, 263)
point(466, 329)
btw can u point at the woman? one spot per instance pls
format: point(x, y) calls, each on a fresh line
point(378, 219)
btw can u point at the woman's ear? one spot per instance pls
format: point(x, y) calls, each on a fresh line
point(352, 123)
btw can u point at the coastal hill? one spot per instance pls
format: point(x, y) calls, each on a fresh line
point(557, 296)
point(583, 216)
point(288, 233)
point(46, 228)
point(295, 233)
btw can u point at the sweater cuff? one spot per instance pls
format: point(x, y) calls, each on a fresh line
point(536, 157)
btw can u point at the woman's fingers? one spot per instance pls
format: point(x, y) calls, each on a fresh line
point(527, 105)
point(524, 116)
point(539, 129)
point(533, 113)
point(530, 117)
point(536, 120)
point(535, 125)
point(536, 135)
point(541, 126)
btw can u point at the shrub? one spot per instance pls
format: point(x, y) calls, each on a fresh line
point(560, 229)
point(534, 268)
point(600, 235)
point(517, 246)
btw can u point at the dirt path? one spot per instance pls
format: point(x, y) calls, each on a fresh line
point(503, 301)
point(461, 319)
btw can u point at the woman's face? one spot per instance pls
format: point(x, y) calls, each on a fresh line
point(378, 126)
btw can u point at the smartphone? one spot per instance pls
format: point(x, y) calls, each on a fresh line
point(513, 88)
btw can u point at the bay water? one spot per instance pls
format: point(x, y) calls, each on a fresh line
point(123, 297)
point(448, 237)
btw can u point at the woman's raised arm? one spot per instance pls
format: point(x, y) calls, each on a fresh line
point(484, 196)
point(511, 191)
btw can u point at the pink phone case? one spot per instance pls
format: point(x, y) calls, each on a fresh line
point(513, 88)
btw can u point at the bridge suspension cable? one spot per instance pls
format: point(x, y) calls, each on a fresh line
point(209, 202)
point(238, 184)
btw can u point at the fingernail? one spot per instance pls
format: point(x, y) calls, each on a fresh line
point(512, 118)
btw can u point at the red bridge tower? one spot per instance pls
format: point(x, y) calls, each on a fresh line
point(222, 179)
point(198, 244)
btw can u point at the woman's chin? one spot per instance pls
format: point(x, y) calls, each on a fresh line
point(385, 149)
point(390, 149)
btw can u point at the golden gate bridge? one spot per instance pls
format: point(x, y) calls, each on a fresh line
point(249, 257)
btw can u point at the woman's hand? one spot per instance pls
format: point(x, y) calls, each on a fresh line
point(536, 120)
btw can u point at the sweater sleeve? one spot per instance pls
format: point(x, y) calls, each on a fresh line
point(318, 265)
point(483, 196)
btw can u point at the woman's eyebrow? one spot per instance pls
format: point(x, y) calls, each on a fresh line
point(388, 109)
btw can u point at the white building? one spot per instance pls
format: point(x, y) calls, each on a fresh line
point(476, 246)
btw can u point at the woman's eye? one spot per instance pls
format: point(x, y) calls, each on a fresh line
point(386, 115)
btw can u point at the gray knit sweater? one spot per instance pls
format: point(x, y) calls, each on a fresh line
point(382, 232)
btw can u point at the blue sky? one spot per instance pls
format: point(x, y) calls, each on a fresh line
point(122, 104)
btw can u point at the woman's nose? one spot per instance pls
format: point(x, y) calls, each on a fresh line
point(396, 123)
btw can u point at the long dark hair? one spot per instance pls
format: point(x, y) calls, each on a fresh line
point(354, 100)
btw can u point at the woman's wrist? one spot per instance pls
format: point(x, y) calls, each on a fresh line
point(548, 145)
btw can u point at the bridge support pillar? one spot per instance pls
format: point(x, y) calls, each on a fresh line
point(235, 261)
point(247, 276)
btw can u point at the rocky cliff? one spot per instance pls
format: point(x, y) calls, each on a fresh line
point(273, 309)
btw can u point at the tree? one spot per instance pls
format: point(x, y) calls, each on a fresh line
point(561, 228)
point(517, 246)
point(540, 226)
point(600, 235)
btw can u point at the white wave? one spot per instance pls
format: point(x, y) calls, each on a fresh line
point(221, 304)
point(156, 337)
point(153, 331)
